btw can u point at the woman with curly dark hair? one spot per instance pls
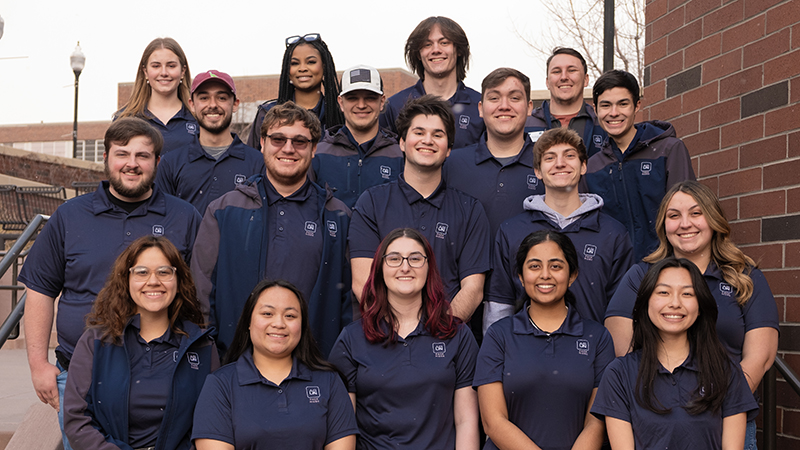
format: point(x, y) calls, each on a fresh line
point(138, 369)
point(409, 362)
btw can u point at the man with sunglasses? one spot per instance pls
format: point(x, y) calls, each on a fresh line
point(279, 225)
point(438, 52)
point(359, 154)
point(217, 160)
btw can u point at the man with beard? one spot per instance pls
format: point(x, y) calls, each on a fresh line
point(80, 242)
point(217, 160)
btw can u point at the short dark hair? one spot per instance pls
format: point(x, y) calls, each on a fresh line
point(452, 31)
point(287, 114)
point(556, 136)
point(566, 51)
point(614, 79)
point(563, 242)
point(499, 76)
point(427, 105)
point(123, 130)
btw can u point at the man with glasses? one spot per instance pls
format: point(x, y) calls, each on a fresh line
point(78, 246)
point(217, 160)
point(454, 223)
point(438, 52)
point(359, 154)
point(279, 225)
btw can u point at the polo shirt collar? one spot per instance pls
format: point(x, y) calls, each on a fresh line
point(461, 95)
point(689, 364)
point(135, 325)
point(183, 113)
point(157, 203)
point(524, 157)
point(196, 151)
point(412, 196)
point(304, 193)
point(249, 374)
point(572, 326)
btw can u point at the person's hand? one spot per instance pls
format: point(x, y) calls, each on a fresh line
point(44, 383)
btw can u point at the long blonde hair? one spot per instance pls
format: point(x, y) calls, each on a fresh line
point(734, 264)
point(141, 90)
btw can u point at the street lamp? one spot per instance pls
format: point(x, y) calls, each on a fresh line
point(77, 60)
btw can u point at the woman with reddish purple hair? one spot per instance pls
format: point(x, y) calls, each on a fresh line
point(408, 361)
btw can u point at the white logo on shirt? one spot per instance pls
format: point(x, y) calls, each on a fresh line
point(589, 251)
point(194, 360)
point(386, 172)
point(439, 349)
point(647, 167)
point(158, 230)
point(583, 347)
point(332, 228)
point(463, 122)
point(312, 392)
point(239, 178)
point(311, 228)
point(441, 230)
point(726, 289)
point(533, 182)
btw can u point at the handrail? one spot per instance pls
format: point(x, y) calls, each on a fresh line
point(8, 260)
point(770, 385)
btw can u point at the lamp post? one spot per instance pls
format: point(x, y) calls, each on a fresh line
point(77, 60)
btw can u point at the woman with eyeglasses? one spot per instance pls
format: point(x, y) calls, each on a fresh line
point(308, 78)
point(538, 370)
point(409, 362)
point(138, 369)
point(161, 93)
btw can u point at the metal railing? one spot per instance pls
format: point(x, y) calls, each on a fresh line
point(10, 326)
point(770, 386)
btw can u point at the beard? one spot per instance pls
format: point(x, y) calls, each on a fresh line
point(219, 128)
point(115, 180)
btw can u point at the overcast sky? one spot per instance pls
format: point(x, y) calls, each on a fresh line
point(241, 38)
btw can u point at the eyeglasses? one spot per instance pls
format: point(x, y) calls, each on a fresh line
point(279, 140)
point(142, 273)
point(311, 37)
point(415, 260)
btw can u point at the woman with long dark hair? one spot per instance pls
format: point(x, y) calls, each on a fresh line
point(691, 224)
point(161, 93)
point(138, 369)
point(308, 78)
point(678, 388)
point(409, 362)
point(276, 390)
point(538, 370)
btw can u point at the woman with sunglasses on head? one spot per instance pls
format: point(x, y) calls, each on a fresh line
point(691, 224)
point(138, 369)
point(308, 78)
point(161, 93)
point(678, 388)
point(276, 391)
point(409, 362)
point(538, 370)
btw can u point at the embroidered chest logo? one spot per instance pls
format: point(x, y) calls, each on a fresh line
point(158, 230)
point(439, 349)
point(312, 392)
point(386, 172)
point(533, 182)
point(647, 167)
point(331, 228)
point(463, 121)
point(583, 347)
point(191, 128)
point(589, 251)
point(239, 178)
point(534, 135)
point(441, 230)
point(726, 289)
point(598, 140)
point(311, 228)
point(194, 360)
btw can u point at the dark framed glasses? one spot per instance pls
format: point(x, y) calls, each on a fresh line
point(308, 38)
point(279, 140)
point(415, 260)
point(142, 273)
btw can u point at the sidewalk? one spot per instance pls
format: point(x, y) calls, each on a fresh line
point(16, 389)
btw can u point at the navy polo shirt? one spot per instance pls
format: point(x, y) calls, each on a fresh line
point(349, 169)
point(308, 410)
point(464, 104)
point(616, 398)
point(404, 391)
point(152, 366)
point(499, 187)
point(453, 222)
point(78, 245)
point(547, 379)
point(296, 229)
point(191, 174)
point(604, 255)
point(733, 321)
point(179, 131)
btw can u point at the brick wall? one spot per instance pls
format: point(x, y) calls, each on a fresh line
point(726, 73)
point(47, 169)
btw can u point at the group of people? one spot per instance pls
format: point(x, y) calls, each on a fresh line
point(408, 272)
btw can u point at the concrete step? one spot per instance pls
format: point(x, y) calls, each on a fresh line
point(16, 392)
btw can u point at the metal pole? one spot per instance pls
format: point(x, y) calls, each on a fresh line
point(770, 402)
point(608, 35)
point(75, 122)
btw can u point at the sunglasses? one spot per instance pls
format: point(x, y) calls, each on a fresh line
point(311, 37)
point(279, 140)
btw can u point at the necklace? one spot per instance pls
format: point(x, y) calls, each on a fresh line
point(530, 319)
